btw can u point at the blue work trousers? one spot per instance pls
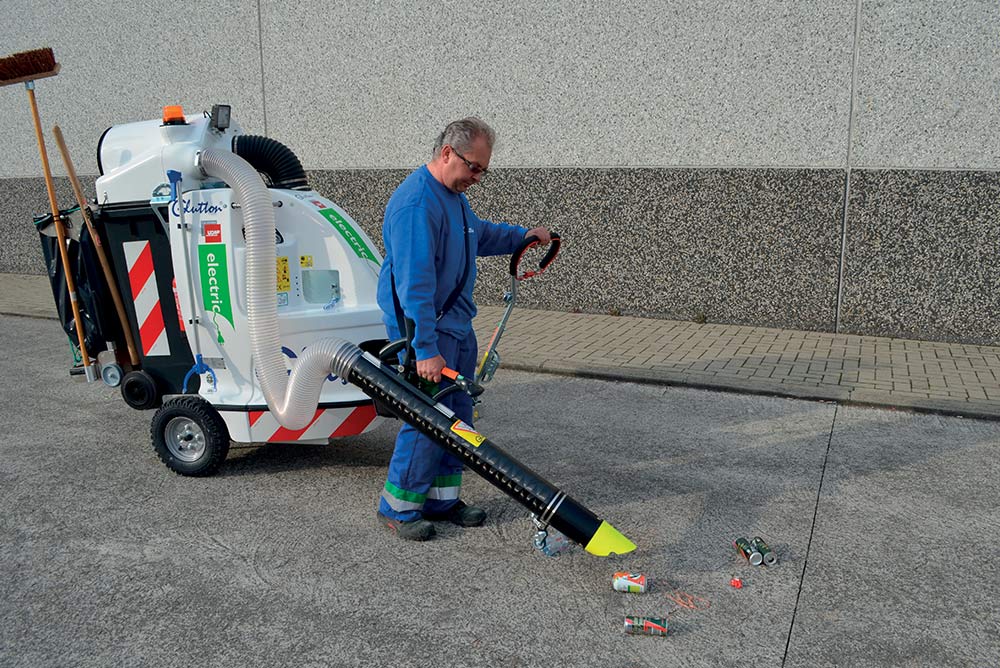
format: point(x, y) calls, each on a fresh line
point(423, 476)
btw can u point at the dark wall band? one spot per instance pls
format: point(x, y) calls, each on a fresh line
point(758, 247)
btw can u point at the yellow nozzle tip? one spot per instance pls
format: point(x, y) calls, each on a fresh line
point(607, 540)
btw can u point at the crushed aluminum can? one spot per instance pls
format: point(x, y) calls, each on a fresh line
point(646, 626)
point(632, 583)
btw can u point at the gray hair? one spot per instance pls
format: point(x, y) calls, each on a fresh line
point(460, 135)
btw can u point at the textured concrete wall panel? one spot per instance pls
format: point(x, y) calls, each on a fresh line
point(923, 256)
point(927, 85)
point(734, 246)
point(640, 83)
point(121, 62)
point(20, 201)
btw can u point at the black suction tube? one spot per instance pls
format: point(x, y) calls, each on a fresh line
point(546, 501)
point(272, 158)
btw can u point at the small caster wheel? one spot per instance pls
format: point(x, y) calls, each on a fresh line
point(139, 391)
point(112, 374)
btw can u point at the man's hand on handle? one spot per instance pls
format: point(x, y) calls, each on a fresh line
point(430, 369)
point(544, 236)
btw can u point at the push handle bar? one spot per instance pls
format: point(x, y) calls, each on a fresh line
point(528, 242)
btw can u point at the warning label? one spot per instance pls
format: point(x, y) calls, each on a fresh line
point(467, 433)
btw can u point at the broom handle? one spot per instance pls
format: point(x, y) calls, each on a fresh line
point(102, 256)
point(60, 233)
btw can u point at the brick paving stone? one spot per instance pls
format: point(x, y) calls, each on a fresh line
point(929, 375)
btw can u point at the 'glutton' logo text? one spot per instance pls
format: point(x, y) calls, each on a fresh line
point(200, 207)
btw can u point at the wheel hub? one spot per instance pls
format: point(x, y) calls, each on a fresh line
point(184, 439)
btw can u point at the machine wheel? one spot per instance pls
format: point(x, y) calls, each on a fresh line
point(139, 391)
point(190, 436)
point(111, 374)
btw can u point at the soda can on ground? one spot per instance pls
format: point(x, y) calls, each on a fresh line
point(645, 626)
point(767, 554)
point(748, 552)
point(633, 583)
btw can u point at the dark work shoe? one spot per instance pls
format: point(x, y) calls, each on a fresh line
point(418, 529)
point(461, 514)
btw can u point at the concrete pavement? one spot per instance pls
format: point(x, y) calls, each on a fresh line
point(882, 521)
point(953, 379)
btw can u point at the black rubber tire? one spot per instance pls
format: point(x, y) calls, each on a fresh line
point(213, 430)
point(139, 391)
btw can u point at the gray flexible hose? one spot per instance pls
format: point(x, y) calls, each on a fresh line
point(291, 399)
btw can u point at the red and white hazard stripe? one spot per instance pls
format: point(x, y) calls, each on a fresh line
point(326, 423)
point(146, 297)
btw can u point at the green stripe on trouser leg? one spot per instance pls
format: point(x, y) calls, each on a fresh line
point(402, 500)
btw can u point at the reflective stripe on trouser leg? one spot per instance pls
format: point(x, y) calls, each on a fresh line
point(445, 488)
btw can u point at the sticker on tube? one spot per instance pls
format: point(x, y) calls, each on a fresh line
point(467, 433)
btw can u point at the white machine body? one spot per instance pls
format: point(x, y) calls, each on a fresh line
point(326, 278)
point(135, 157)
point(326, 281)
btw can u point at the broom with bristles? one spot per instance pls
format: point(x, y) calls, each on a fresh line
point(24, 68)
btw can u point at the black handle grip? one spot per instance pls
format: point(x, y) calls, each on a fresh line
point(527, 243)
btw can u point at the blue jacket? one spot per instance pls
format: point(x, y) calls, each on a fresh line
point(425, 249)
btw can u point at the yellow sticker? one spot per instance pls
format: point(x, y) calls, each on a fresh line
point(306, 261)
point(468, 433)
point(284, 278)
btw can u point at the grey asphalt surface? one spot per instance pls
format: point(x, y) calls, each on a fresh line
point(885, 524)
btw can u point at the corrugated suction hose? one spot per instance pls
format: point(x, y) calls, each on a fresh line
point(292, 399)
point(273, 158)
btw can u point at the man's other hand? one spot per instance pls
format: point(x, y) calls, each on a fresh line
point(430, 369)
point(544, 236)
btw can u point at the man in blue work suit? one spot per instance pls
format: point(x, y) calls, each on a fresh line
point(432, 238)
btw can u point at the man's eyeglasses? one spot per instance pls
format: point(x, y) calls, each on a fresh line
point(473, 167)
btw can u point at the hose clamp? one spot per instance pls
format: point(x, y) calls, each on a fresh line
point(550, 510)
point(198, 165)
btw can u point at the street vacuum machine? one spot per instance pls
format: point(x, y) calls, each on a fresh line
point(250, 311)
